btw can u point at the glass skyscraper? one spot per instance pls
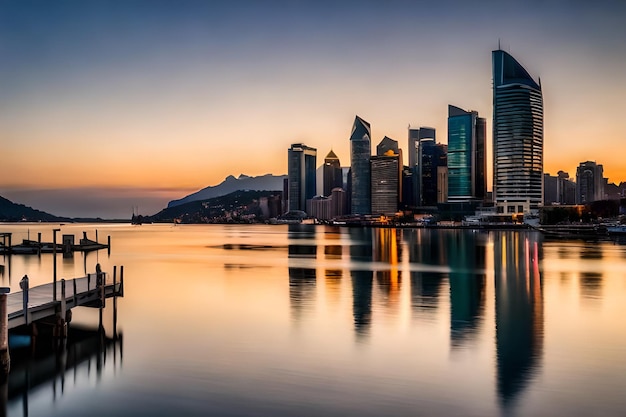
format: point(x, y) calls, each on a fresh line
point(360, 152)
point(301, 175)
point(517, 136)
point(466, 155)
point(332, 173)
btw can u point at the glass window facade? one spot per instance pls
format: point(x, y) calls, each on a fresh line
point(517, 134)
point(360, 153)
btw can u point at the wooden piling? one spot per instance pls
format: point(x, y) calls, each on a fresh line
point(5, 359)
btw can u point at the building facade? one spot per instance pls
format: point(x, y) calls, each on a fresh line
point(589, 182)
point(517, 136)
point(466, 155)
point(385, 183)
point(301, 175)
point(332, 173)
point(360, 153)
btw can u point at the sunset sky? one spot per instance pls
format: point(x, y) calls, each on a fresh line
point(106, 105)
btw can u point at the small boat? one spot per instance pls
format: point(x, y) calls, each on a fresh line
point(616, 229)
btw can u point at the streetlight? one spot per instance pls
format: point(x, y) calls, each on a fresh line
point(54, 262)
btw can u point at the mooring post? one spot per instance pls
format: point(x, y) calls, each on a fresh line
point(54, 262)
point(24, 287)
point(121, 291)
point(38, 243)
point(5, 359)
point(109, 244)
point(114, 303)
point(60, 330)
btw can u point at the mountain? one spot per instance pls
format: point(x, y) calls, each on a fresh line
point(232, 207)
point(12, 212)
point(266, 182)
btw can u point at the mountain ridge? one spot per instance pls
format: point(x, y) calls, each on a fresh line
point(267, 182)
point(14, 212)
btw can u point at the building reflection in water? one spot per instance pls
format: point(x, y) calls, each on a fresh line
point(386, 251)
point(302, 279)
point(467, 256)
point(425, 247)
point(361, 251)
point(519, 312)
point(40, 366)
point(333, 251)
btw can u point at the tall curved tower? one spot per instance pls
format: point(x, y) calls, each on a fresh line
point(360, 152)
point(517, 136)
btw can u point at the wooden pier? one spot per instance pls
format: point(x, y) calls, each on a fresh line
point(52, 304)
point(84, 291)
point(37, 247)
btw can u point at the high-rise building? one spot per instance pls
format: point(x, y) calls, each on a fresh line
point(466, 155)
point(517, 136)
point(360, 152)
point(589, 182)
point(301, 174)
point(558, 189)
point(432, 156)
point(418, 139)
point(332, 173)
point(386, 178)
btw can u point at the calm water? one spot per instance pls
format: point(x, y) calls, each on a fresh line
point(321, 321)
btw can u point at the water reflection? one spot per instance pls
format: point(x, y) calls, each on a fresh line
point(519, 312)
point(41, 368)
point(467, 254)
point(362, 280)
point(427, 249)
point(591, 285)
point(386, 243)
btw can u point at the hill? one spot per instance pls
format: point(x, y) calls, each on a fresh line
point(267, 182)
point(12, 212)
point(238, 206)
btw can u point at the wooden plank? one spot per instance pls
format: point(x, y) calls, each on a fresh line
point(41, 303)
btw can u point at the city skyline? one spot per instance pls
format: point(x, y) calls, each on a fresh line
point(137, 104)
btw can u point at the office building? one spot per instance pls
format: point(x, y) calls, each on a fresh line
point(360, 152)
point(467, 164)
point(419, 139)
point(517, 137)
point(332, 173)
point(301, 175)
point(589, 182)
point(385, 171)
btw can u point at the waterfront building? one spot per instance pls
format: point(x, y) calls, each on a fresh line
point(332, 173)
point(589, 182)
point(385, 171)
point(432, 156)
point(339, 207)
point(418, 139)
point(558, 189)
point(319, 207)
point(467, 164)
point(301, 175)
point(517, 136)
point(360, 152)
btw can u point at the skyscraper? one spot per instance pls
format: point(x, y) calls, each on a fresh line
point(589, 182)
point(517, 136)
point(301, 175)
point(386, 177)
point(466, 155)
point(360, 152)
point(420, 139)
point(332, 173)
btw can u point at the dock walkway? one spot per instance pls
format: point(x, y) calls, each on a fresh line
point(76, 292)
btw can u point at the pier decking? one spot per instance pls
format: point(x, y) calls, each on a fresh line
point(84, 291)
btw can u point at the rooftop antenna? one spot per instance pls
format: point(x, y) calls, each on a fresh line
point(498, 43)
